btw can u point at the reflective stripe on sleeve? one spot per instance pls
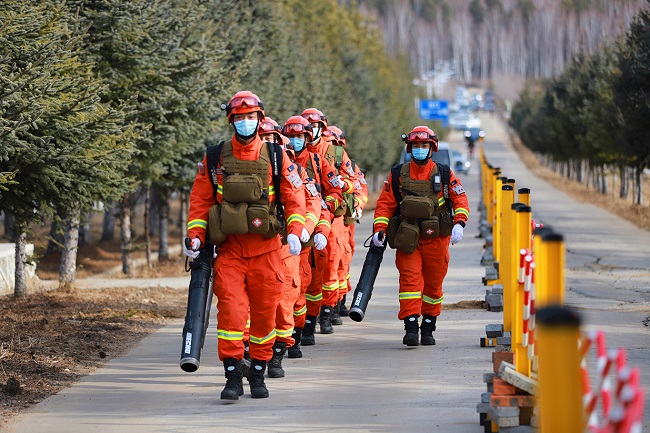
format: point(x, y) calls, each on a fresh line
point(197, 223)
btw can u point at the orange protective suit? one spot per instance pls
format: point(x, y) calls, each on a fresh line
point(248, 268)
point(420, 285)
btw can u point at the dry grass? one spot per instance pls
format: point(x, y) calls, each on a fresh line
point(638, 215)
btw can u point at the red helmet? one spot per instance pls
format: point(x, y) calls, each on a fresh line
point(421, 134)
point(314, 115)
point(298, 125)
point(270, 126)
point(242, 103)
point(338, 136)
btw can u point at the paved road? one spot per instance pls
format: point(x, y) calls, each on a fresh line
point(361, 378)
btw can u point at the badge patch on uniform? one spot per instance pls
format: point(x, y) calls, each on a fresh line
point(295, 180)
point(337, 182)
point(350, 171)
point(257, 222)
point(454, 182)
point(330, 174)
point(323, 204)
point(357, 185)
point(363, 181)
point(386, 186)
point(291, 167)
point(458, 189)
point(201, 168)
point(312, 189)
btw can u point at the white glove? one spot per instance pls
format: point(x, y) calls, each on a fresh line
point(304, 237)
point(194, 246)
point(379, 238)
point(294, 244)
point(359, 213)
point(457, 234)
point(320, 241)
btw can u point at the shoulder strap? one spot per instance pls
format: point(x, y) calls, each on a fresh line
point(395, 174)
point(338, 155)
point(213, 154)
point(354, 165)
point(276, 154)
point(445, 178)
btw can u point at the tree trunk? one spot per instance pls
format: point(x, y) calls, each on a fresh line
point(10, 234)
point(147, 234)
point(108, 225)
point(638, 186)
point(85, 230)
point(163, 239)
point(68, 267)
point(154, 212)
point(20, 286)
point(624, 190)
point(125, 237)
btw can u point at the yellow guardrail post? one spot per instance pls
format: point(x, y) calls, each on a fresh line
point(560, 382)
point(496, 228)
point(507, 260)
point(522, 243)
point(491, 205)
point(552, 246)
point(523, 196)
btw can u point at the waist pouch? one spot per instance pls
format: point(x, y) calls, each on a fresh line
point(348, 221)
point(233, 218)
point(407, 237)
point(349, 202)
point(391, 231)
point(430, 228)
point(215, 234)
point(417, 207)
point(257, 216)
point(242, 188)
point(446, 224)
point(275, 228)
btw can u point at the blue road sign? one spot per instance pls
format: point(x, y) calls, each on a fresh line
point(435, 109)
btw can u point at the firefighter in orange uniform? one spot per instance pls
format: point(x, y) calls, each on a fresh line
point(248, 194)
point(314, 259)
point(421, 210)
point(346, 179)
point(270, 131)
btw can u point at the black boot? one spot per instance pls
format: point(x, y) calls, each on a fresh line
point(256, 382)
point(336, 317)
point(426, 329)
point(234, 387)
point(411, 328)
point(275, 366)
point(308, 331)
point(246, 361)
point(343, 310)
point(294, 351)
point(325, 320)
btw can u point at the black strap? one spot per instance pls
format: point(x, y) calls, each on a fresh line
point(276, 154)
point(213, 154)
point(320, 173)
point(394, 173)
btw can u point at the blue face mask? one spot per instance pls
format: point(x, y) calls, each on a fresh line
point(419, 154)
point(246, 128)
point(298, 144)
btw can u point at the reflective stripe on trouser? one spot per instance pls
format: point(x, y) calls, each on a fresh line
point(330, 276)
point(344, 264)
point(300, 307)
point(284, 320)
point(420, 287)
point(237, 281)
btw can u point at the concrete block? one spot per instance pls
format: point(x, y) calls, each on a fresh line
point(485, 397)
point(482, 407)
point(505, 341)
point(491, 273)
point(490, 387)
point(511, 421)
point(488, 377)
point(509, 374)
point(506, 411)
point(518, 429)
point(502, 348)
point(497, 289)
point(494, 330)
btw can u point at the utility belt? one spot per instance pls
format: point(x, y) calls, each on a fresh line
point(419, 218)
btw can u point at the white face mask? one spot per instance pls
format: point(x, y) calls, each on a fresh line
point(316, 132)
point(246, 128)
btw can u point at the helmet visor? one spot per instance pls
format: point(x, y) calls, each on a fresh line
point(268, 128)
point(294, 128)
point(246, 101)
point(313, 117)
point(419, 136)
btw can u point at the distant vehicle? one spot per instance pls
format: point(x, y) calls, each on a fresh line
point(459, 120)
point(473, 135)
point(444, 155)
point(461, 163)
point(473, 122)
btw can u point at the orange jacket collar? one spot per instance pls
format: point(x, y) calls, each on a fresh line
point(421, 172)
point(247, 152)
